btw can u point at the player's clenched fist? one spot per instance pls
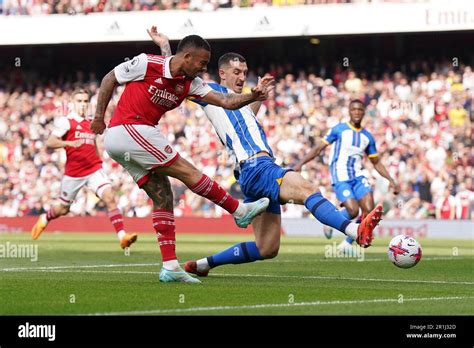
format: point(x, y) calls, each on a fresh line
point(98, 126)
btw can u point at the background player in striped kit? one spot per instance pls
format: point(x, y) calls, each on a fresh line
point(350, 143)
point(83, 168)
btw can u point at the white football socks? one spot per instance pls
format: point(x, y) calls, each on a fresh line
point(121, 234)
point(171, 265)
point(202, 265)
point(43, 218)
point(351, 230)
point(240, 211)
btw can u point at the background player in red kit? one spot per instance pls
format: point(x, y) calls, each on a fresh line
point(83, 167)
point(155, 85)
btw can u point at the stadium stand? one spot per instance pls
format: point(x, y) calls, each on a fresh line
point(422, 123)
point(73, 7)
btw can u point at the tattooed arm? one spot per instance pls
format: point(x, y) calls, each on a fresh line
point(160, 40)
point(234, 101)
point(107, 86)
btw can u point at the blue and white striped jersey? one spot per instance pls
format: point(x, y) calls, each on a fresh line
point(350, 144)
point(238, 130)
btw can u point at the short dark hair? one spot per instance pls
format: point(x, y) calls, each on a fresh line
point(193, 41)
point(357, 101)
point(227, 57)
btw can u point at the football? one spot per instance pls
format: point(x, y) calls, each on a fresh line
point(404, 251)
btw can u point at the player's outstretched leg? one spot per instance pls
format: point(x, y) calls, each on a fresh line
point(328, 230)
point(163, 223)
point(204, 186)
point(367, 205)
point(243, 213)
point(54, 212)
point(346, 244)
point(159, 190)
point(296, 189)
point(244, 252)
point(116, 219)
point(367, 226)
point(266, 228)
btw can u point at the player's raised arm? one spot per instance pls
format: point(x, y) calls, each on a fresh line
point(315, 151)
point(234, 101)
point(130, 70)
point(372, 153)
point(161, 40)
point(107, 86)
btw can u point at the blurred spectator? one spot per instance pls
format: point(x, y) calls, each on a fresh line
point(463, 200)
point(446, 206)
point(353, 83)
point(457, 116)
point(73, 7)
point(429, 154)
point(436, 155)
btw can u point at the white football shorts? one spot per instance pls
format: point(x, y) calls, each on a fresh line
point(70, 186)
point(139, 149)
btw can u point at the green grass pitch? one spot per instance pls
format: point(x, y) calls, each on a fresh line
point(86, 273)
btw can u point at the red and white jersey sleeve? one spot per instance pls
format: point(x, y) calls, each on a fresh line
point(198, 89)
point(132, 70)
point(151, 90)
point(61, 126)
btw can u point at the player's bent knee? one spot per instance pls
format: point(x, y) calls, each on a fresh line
point(269, 252)
point(353, 213)
point(108, 197)
point(64, 209)
point(309, 189)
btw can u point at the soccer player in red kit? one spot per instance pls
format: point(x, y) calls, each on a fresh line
point(83, 168)
point(154, 85)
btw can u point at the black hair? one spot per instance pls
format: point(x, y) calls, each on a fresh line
point(193, 41)
point(230, 56)
point(356, 101)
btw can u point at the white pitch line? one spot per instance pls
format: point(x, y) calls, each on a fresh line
point(353, 259)
point(79, 266)
point(344, 278)
point(89, 271)
point(280, 305)
point(263, 276)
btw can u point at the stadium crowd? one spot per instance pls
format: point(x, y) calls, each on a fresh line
point(422, 125)
point(72, 7)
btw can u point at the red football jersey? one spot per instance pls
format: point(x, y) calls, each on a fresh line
point(83, 160)
point(151, 90)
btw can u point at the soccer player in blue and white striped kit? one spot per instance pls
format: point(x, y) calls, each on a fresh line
point(259, 176)
point(350, 143)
